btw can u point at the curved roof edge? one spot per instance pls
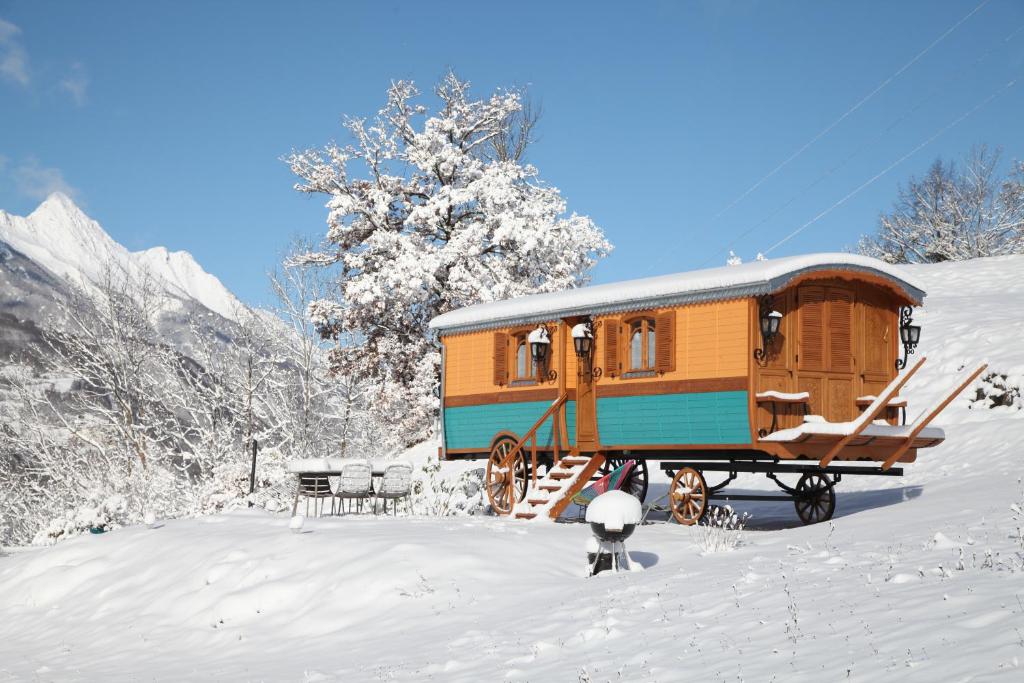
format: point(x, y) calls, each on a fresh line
point(698, 286)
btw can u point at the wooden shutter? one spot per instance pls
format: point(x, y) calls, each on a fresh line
point(665, 341)
point(840, 330)
point(812, 328)
point(611, 346)
point(500, 358)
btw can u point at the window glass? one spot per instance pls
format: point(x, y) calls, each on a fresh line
point(522, 360)
point(649, 361)
point(636, 347)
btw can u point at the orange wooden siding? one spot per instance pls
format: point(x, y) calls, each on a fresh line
point(711, 341)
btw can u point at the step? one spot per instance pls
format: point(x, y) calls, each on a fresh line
point(572, 461)
point(525, 515)
point(537, 501)
point(550, 487)
point(561, 474)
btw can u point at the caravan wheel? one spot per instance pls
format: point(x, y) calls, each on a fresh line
point(505, 487)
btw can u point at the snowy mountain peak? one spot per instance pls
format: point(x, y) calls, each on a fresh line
point(59, 236)
point(61, 207)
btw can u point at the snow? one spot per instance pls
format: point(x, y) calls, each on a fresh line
point(847, 428)
point(918, 578)
point(59, 236)
point(539, 336)
point(899, 402)
point(582, 331)
point(748, 279)
point(783, 396)
point(615, 509)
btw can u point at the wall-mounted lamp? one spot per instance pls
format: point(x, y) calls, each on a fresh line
point(769, 321)
point(910, 335)
point(583, 339)
point(540, 349)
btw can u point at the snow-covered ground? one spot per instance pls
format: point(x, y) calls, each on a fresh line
point(920, 578)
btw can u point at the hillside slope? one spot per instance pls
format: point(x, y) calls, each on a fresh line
point(918, 578)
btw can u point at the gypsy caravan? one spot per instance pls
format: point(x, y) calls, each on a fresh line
point(787, 366)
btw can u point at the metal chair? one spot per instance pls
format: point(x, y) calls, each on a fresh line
point(355, 484)
point(395, 485)
point(315, 486)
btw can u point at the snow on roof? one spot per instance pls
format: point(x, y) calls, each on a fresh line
point(712, 284)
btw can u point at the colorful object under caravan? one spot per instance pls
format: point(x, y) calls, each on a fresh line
point(788, 366)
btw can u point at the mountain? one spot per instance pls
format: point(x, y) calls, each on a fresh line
point(62, 242)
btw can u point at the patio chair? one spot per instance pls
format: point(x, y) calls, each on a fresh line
point(612, 481)
point(314, 486)
point(395, 485)
point(355, 483)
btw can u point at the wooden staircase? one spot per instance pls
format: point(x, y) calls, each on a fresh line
point(553, 492)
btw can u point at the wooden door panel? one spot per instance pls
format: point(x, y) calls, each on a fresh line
point(839, 329)
point(840, 405)
point(811, 329)
point(813, 385)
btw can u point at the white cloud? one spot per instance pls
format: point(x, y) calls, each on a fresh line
point(13, 58)
point(37, 182)
point(75, 84)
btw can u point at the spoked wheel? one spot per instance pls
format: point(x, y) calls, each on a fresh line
point(505, 486)
point(636, 483)
point(689, 495)
point(815, 498)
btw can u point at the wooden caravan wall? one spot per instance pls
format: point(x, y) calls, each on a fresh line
point(697, 390)
point(837, 341)
point(695, 394)
point(481, 398)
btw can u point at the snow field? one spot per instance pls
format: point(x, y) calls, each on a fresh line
point(919, 577)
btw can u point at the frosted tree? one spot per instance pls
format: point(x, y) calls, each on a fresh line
point(953, 214)
point(430, 211)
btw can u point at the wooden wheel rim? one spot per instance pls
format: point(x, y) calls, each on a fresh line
point(816, 498)
point(689, 496)
point(636, 484)
point(501, 485)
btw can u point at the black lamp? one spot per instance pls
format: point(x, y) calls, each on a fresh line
point(769, 320)
point(583, 339)
point(910, 335)
point(540, 342)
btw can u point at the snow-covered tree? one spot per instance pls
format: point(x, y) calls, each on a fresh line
point(953, 214)
point(427, 212)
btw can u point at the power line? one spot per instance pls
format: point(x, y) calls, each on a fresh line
point(905, 115)
point(891, 166)
point(842, 118)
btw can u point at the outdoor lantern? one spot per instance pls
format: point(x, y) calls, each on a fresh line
point(770, 326)
point(540, 342)
point(770, 320)
point(910, 335)
point(583, 339)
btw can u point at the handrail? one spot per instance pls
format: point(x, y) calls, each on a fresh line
point(533, 430)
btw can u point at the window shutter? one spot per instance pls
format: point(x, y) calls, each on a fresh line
point(812, 328)
point(611, 346)
point(840, 330)
point(665, 341)
point(500, 358)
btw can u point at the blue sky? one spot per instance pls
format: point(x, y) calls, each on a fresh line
point(166, 120)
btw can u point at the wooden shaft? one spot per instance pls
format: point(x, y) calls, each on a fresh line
point(869, 418)
point(923, 421)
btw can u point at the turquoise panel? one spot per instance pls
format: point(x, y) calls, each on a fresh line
point(715, 417)
point(475, 426)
